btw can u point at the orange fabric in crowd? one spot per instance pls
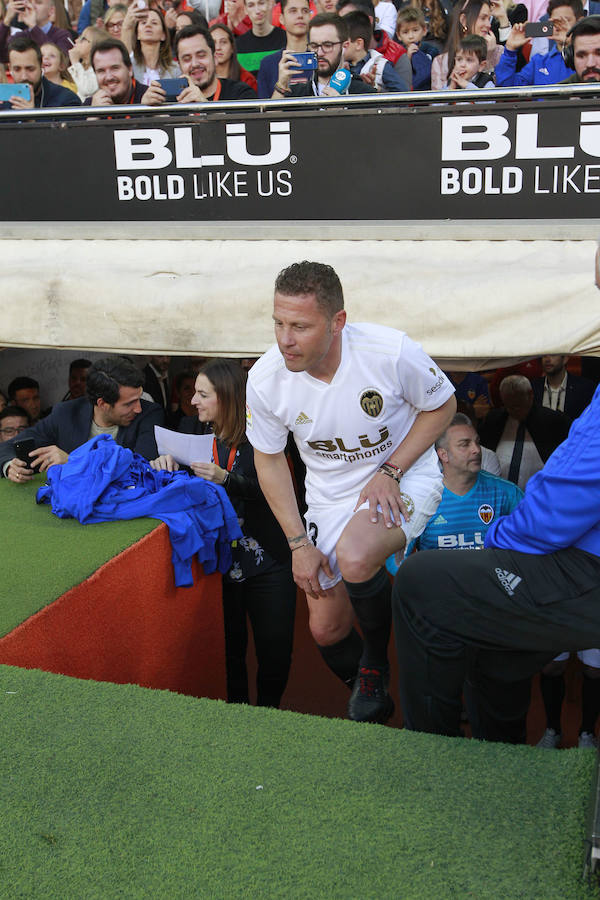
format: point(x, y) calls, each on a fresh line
point(128, 623)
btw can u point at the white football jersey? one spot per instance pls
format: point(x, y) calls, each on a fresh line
point(346, 429)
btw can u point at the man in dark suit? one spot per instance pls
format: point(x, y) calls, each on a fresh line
point(112, 406)
point(561, 390)
point(156, 383)
point(522, 434)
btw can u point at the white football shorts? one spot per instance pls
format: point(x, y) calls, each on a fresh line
point(421, 492)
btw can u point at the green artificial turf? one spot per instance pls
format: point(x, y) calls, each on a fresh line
point(116, 791)
point(47, 555)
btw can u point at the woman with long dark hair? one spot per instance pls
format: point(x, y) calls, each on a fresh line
point(146, 36)
point(226, 60)
point(259, 586)
point(468, 17)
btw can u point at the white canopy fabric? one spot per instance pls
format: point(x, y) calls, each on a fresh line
point(471, 304)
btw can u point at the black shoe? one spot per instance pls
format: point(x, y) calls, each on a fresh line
point(370, 701)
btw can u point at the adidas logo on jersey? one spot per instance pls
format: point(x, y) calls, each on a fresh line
point(508, 580)
point(303, 419)
point(440, 520)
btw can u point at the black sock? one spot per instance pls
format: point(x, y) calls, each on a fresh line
point(553, 693)
point(372, 603)
point(590, 703)
point(343, 658)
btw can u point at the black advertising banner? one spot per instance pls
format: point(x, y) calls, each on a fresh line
point(531, 160)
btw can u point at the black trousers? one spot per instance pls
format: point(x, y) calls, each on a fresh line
point(493, 618)
point(269, 601)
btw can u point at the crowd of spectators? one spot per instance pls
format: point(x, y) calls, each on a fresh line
point(246, 48)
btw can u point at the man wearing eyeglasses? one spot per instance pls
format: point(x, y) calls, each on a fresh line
point(328, 38)
point(13, 420)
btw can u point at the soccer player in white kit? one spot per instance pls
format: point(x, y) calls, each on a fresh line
point(365, 405)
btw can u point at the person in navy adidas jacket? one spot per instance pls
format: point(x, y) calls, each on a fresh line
point(497, 616)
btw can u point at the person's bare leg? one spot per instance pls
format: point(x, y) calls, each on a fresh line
point(331, 622)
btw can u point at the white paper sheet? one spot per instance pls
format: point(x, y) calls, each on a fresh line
point(185, 448)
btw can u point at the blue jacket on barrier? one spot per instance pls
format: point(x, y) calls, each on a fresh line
point(561, 504)
point(103, 482)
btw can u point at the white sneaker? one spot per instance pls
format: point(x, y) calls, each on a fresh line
point(550, 739)
point(588, 741)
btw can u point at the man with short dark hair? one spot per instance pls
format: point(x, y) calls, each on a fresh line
point(364, 404)
point(382, 42)
point(327, 38)
point(112, 406)
point(367, 62)
point(25, 392)
point(78, 372)
point(560, 389)
point(585, 51)
point(25, 60)
point(13, 420)
point(195, 49)
point(263, 38)
point(295, 18)
point(114, 72)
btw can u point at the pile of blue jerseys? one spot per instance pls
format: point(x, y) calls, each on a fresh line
point(102, 482)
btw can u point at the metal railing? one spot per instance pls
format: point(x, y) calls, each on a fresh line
point(354, 101)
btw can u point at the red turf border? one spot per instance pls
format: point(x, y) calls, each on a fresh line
point(128, 623)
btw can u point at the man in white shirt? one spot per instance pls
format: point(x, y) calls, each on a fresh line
point(365, 405)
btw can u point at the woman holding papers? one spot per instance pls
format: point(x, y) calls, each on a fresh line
point(259, 586)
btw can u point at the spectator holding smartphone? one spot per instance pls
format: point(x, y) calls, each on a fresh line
point(33, 20)
point(542, 68)
point(195, 50)
point(25, 59)
point(295, 18)
point(146, 37)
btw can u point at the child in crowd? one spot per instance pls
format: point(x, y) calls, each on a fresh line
point(54, 66)
point(80, 70)
point(366, 62)
point(470, 61)
point(411, 29)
